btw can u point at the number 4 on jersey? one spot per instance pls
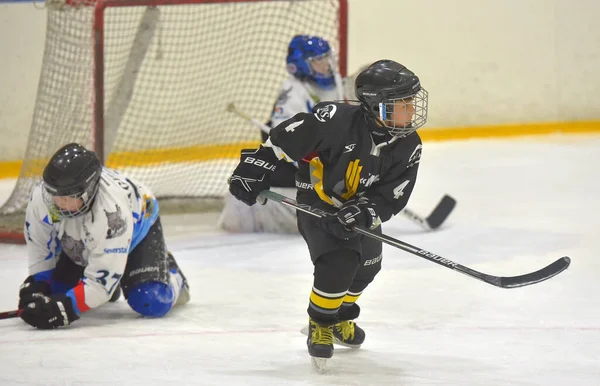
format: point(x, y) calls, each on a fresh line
point(399, 190)
point(292, 126)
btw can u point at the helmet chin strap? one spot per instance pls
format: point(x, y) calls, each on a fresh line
point(378, 130)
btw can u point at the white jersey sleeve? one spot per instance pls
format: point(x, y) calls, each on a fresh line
point(40, 236)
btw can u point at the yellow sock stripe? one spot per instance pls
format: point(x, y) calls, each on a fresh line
point(351, 298)
point(326, 303)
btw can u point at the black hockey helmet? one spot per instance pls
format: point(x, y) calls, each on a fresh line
point(73, 171)
point(393, 95)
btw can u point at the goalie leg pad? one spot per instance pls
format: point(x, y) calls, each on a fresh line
point(152, 299)
point(238, 217)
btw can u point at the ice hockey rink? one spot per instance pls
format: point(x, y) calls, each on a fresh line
point(521, 205)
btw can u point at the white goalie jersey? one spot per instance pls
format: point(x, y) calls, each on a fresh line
point(100, 240)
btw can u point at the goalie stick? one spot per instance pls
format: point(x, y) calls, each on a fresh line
point(437, 217)
point(540, 275)
point(233, 109)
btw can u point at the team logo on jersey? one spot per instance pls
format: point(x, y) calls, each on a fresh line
point(415, 157)
point(325, 113)
point(73, 248)
point(116, 223)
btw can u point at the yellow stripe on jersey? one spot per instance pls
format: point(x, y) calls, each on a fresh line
point(324, 302)
point(352, 179)
point(316, 179)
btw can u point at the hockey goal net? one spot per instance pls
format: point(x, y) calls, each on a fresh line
point(146, 84)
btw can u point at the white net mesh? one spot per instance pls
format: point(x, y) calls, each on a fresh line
point(169, 73)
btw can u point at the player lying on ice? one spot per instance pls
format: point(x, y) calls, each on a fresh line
point(91, 231)
point(359, 162)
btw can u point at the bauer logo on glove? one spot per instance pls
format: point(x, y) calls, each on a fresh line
point(251, 176)
point(260, 163)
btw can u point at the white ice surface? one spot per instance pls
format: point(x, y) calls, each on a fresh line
point(521, 205)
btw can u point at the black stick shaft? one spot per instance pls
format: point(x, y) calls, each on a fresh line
point(504, 282)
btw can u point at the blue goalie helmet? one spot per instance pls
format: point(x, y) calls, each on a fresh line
point(309, 58)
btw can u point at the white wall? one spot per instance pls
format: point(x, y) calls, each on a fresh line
point(482, 61)
point(489, 61)
point(22, 29)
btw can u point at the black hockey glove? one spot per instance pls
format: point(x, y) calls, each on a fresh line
point(30, 287)
point(48, 312)
point(357, 212)
point(252, 174)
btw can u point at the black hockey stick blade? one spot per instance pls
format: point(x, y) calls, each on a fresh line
point(437, 217)
point(499, 281)
point(441, 212)
point(535, 277)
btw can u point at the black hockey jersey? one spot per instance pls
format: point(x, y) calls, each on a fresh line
point(339, 159)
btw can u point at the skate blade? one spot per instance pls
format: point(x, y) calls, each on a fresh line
point(319, 364)
point(304, 331)
point(184, 297)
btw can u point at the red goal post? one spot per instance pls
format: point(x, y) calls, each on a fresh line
point(146, 84)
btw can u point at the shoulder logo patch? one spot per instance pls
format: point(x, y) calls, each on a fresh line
point(415, 157)
point(325, 113)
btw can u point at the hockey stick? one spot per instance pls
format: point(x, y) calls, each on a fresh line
point(10, 314)
point(233, 109)
point(499, 281)
point(437, 217)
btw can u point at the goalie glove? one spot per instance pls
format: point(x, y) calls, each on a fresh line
point(357, 212)
point(48, 312)
point(252, 174)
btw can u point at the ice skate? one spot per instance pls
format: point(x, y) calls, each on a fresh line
point(348, 334)
point(320, 344)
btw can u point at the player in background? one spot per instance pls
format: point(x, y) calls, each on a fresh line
point(314, 77)
point(359, 163)
point(90, 230)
